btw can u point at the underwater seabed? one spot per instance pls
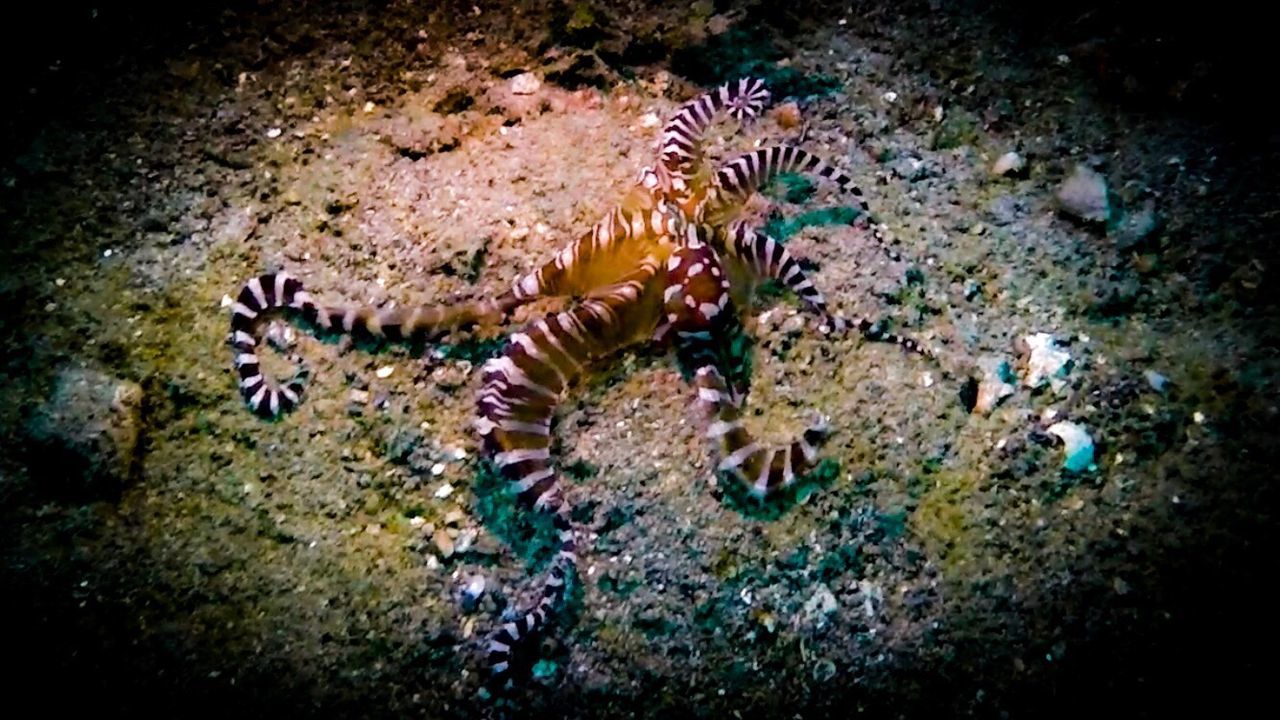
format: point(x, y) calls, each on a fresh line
point(1065, 507)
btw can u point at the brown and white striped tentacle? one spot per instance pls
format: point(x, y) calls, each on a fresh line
point(575, 268)
point(768, 258)
point(521, 389)
point(406, 324)
point(762, 470)
point(502, 642)
point(261, 295)
point(738, 178)
point(679, 149)
point(746, 174)
point(278, 291)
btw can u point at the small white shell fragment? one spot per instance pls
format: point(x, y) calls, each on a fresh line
point(890, 97)
point(437, 469)
point(926, 379)
point(465, 540)
point(474, 588)
point(444, 490)
point(384, 371)
point(650, 120)
point(1047, 362)
point(1077, 445)
point(1008, 163)
point(459, 454)
point(1157, 381)
point(369, 106)
point(274, 133)
point(227, 301)
point(1198, 417)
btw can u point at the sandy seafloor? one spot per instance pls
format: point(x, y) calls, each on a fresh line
point(314, 566)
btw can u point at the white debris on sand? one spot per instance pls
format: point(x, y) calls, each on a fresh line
point(1083, 195)
point(1157, 381)
point(996, 383)
point(1010, 163)
point(1046, 362)
point(821, 604)
point(1077, 444)
point(525, 84)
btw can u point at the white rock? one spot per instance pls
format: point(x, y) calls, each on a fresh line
point(1084, 195)
point(525, 84)
point(1008, 164)
point(384, 371)
point(1077, 445)
point(1157, 381)
point(444, 490)
point(1047, 362)
point(821, 604)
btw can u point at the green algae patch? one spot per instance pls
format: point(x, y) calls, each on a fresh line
point(530, 534)
point(783, 228)
point(791, 187)
point(943, 520)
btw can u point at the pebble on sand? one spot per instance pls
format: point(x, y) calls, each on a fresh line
point(1083, 196)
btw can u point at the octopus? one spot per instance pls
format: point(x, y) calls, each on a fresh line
point(670, 264)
